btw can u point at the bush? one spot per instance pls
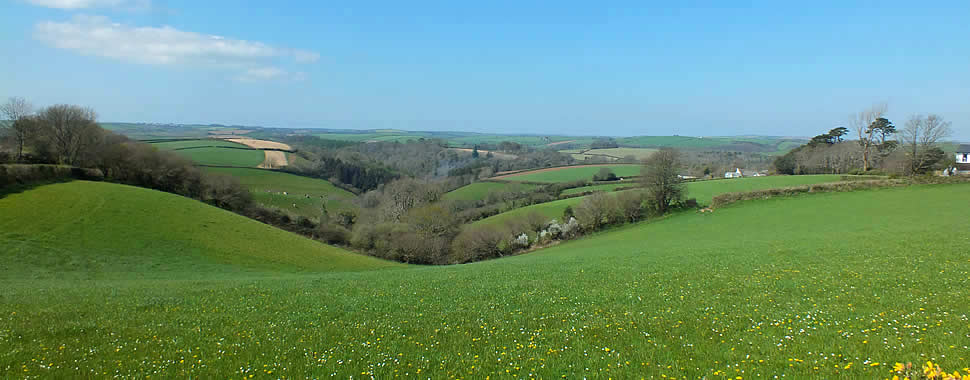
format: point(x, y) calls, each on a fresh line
point(332, 234)
point(27, 174)
point(477, 243)
point(597, 211)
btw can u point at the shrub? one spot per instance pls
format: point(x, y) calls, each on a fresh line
point(332, 234)
point(26, 174)
point(477, 243)
point(520, 242)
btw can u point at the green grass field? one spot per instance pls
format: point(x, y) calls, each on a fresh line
point(93, 230)
point(215, 152)
point(835, 285)
point(268, 186)
point(572, 174)
point(246, 158)
point(480, 190)
point(703, 191)
point(183, 144)
point(596, 188)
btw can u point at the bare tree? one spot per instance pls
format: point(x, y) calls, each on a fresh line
point(864, 124)
point(17, 111)
point(920, 136)
point(660, 177)
point(67, 131)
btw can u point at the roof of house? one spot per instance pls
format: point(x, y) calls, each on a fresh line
point(963, 148)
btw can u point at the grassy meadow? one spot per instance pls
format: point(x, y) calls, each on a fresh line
point(569, 174)
point(834, 285)
point(703, 191)
point(93, 230)
point(597, 188)
point(190, 144)
point(268, 187)
point(215, 152)
point(480, 190)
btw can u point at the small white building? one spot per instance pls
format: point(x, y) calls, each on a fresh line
point(738, 173)
point(962, 160)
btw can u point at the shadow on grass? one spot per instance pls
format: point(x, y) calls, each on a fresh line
point(23, 187)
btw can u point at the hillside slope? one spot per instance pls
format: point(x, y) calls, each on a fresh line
point(834, 285)
point(104, 230)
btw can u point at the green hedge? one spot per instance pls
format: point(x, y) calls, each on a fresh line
point(17, 174)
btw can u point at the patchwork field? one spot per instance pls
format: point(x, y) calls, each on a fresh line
point(307, 194)
point(569, 173)
point(703, 191)
point(833, 285)
point(480, 190)
point(614, 153)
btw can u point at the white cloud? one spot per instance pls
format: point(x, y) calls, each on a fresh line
point(98, 36)
point(82, 4)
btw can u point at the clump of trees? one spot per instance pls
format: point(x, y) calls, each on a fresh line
point(921, 138)
point(605, 174)
point(880, 148)
point(660, 177)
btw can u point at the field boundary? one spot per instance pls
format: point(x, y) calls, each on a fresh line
point(506, 174)
point(831, 187)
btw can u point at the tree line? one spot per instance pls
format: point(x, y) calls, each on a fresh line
point(880, 147)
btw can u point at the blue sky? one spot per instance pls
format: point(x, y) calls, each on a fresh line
point(565, 67)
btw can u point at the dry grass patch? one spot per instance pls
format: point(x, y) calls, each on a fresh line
point(261, 144)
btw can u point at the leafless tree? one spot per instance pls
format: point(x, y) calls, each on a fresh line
point(67, 132)
point(863, 123)
point(17, 111)
point(921, 134)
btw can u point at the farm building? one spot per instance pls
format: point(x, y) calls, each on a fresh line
point(962, 165)
point(738, 173)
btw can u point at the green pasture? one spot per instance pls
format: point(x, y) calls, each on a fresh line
point(834, 285)
point(480, 190)
point(309, 195)
point(703, 191)
point(246, 158)
point(574, 173)
point(597, 188)
point(191, 144)
point(92, 231)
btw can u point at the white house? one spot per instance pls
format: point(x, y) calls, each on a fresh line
point(963, 160)
point(738, 173)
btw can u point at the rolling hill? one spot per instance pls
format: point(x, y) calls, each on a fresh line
point(834, 285)
point(101, 230)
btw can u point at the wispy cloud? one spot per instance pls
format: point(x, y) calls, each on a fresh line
point(98, 36)
point(84, 4)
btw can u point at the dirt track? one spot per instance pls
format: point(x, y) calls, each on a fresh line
point(274, 159)
point(560, 143)
point(547, 170)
